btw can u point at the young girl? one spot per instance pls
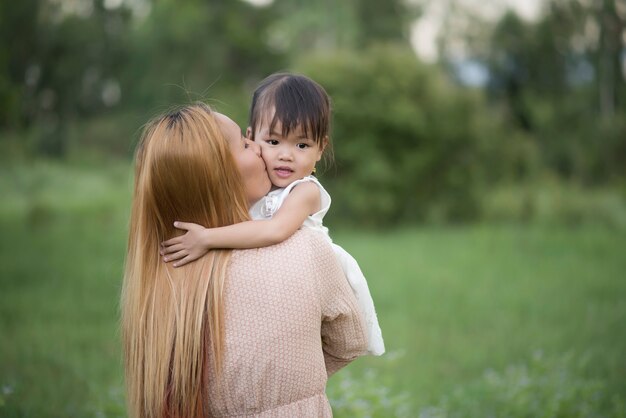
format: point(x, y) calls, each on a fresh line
point(290, 120)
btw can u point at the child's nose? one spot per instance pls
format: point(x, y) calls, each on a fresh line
point(285, 154)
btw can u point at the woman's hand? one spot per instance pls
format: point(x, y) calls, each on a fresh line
point(186, 248)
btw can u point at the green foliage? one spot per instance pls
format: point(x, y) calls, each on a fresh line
point(408, 144)
point(300, 28)
point(71, 63)
point(560, 80)
point(198, 47)
point(551, 202)
point(411, 144)
point(483, 297)
point(61, 256)
point(65, 67)
point(385, 21)
point(366, 395)
point(549, 388)
point(18, 27)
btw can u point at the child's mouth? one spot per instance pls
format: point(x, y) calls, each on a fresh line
point(283, 171)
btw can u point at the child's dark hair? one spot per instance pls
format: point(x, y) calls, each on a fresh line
point(297, 100)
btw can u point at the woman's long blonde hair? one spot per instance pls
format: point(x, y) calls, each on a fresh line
point(172, 319)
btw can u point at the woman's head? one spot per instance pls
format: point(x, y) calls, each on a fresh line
point(184, 170)
point(290, 114)
point(247, 156)
point(193, 162)
point(189, 165)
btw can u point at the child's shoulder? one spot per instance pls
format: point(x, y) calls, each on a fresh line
point(311, 183)
point(315, 187)
point(308, 179)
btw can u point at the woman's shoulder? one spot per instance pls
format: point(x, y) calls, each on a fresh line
point(304, 247)
point(305, 259)
point(314, 242)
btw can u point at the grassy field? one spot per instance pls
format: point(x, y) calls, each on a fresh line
point(479, 320)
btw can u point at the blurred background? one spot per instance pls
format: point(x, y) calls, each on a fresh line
point(479, 177)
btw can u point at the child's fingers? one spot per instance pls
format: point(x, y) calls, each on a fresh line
point(172, 241)
point(176, 256)
point(184, 261)
point(172, 249)
point(188, 259)
point(183, 225)
point(176, 240)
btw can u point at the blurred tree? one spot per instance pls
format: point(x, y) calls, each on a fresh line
point(303, 27)
point(560, 80)
point(18, 43)
point(408, 144)
point(611, 17)
point(509, 65)
point(196, 44)
point(385, 21)
point(82, 56)
point(63, 63)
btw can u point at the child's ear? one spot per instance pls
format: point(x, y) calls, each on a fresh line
point(322, 148)
point(249, 133)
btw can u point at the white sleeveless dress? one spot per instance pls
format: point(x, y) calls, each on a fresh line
point(269, 205)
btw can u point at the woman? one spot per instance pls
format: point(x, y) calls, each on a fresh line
point(241, 333)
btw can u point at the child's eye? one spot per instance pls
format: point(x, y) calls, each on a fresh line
point(303, 146)
point(272, 141)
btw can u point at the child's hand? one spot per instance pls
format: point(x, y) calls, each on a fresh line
point(185, 248)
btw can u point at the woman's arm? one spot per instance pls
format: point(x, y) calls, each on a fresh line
point(301, 202)
point(344, 336)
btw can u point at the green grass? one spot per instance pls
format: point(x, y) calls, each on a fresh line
point(61, 255)
point(459, 302)
point(478, 320)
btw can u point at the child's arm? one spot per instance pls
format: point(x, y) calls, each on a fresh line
point(302, 201)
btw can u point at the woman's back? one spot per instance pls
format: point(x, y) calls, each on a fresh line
point(280, 302)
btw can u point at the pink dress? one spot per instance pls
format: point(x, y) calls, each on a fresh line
point(291, 320)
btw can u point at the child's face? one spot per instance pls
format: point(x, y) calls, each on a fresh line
point(288, 158)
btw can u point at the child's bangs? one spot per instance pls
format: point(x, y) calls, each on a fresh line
point(294, 109)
